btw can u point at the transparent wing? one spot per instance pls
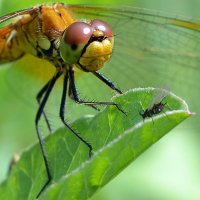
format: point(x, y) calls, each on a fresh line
point(151, 49)
point(158, 97)
point(18, 13)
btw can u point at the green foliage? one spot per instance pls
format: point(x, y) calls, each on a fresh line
point(117, 140)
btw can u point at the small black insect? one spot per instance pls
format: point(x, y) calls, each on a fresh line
point(154, 110)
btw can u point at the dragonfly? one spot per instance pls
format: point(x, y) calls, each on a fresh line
point(140, 47)
point(65, 43)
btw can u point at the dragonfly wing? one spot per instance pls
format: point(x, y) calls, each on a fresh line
point(26, 77)
point(151, 49)
point(29, 11)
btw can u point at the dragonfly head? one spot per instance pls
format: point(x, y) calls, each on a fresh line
point(89, 45)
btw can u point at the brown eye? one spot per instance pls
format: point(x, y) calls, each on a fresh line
point(102, 26)
point(78, 33)
point(89, 45)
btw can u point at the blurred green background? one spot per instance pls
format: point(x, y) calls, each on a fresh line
point(167, 171)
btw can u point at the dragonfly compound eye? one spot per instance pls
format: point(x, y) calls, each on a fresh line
point(73, 41)
point(102, 26)
point(88, 45)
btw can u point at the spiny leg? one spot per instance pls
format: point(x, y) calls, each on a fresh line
point(38, 98)
point(74, 94)
point(91, 103)
point(62, 113)
point(38, 116)
point(107, 82)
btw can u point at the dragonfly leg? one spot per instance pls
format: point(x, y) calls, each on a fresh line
point(38, 116)
point(89, 103)
point(74, 95)
point(38, 98)
point(62, 114)
point(107, 82)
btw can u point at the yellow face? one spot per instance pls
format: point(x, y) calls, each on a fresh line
point(87, 45)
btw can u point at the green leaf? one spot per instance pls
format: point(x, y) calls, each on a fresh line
point(117, 140)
